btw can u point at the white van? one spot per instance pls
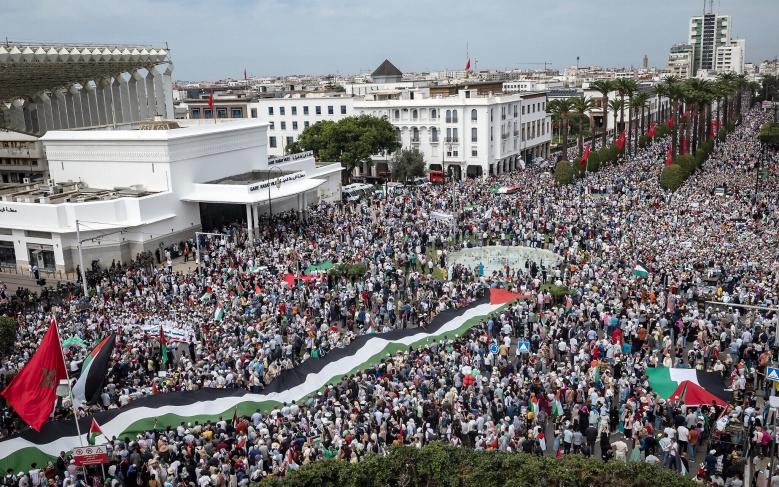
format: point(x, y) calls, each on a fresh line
point(357, 191)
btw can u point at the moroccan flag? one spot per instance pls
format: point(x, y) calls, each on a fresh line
point(640, 270)
point(671, 123)
point(211, 101)
point(468, 64)
point(621, 140)
point(163, 346)
point(219, 314)
point(651, 132)
point(668, 157)
point(33, 392)
point(94, 432)
point(585, 155)
point(684, 145)
point(93, 372)
point(684, 116)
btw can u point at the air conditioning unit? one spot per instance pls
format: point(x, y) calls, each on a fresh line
point(25, 180)
point(50, 182)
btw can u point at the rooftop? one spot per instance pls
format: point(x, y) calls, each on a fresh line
point(251, 177)
point(387, 69)
point(49, 192)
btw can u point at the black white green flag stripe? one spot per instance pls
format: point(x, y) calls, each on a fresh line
point(640, 270)
point(93, 372)
point(297, 384)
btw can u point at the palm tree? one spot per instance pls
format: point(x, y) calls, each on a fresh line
point(581, 106)
point(726, 86)
point(661, 91)
point(616, 106)
point(560, 108)
point(672, 88)
point(604, 87)
point(627, 87)
point(641, 101)
point(701, 94)
point(741, 82)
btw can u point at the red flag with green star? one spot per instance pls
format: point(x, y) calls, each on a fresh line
point(33, 392)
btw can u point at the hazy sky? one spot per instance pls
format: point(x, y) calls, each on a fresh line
point(212, 39)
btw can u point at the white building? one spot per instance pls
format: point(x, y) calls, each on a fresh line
point(731, 58)
point(21, 157)
point(126, 191)
point(475, 133)
point(706, 34)
point(680, 60)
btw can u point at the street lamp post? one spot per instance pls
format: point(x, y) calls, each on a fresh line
point(270, 202)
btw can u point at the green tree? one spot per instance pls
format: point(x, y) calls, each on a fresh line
point(563, 173)
point(641, 102)
point(8, 331)
point(604, 87)
point(672, 177)
point(408, 164)
point(673, 89)
point(627, 87)
point(561, 108)
point(581, 106)
point(351, 141)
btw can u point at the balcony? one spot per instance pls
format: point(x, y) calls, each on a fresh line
point(414, 140)
point(452, 140)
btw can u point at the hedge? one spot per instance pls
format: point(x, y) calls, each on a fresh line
point(688, 163)
point(563, 173)
point(644, 141)
point(672, 177)
point(769, 134)
point(439, 465)
point(662, 130)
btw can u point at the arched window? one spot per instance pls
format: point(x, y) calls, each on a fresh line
point(414, 114)
point(448, 116)
point(473, 135)
point(433, 113)
point(454, 116)
point(434, 135)
point(397, 115)
point(474, 117)
point(415, 134)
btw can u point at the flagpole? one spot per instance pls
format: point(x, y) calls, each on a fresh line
point(70, 388)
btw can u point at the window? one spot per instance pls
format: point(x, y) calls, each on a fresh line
point(237, 113)
point(283, 125)
point(396, 114)
point(195, 113)
point(221, 113)
point(474, 116)
point(305, 124)
point(474, 152)
point(270, 110)
point(523, 109)
point(272, 125)
point(343, 109)
point(448, 116)
point(492, 114)
point(207, 113)
point(474, 137)
point(433, 114)
point(454, 134)
point(414, 114)
point(290, 140)
point(294, 110)
point(515, 110)
point(273, 141)
point(305, 110)
point(434, 135)
point(454, 116)
point(503, 113)
point(254, 113)
point(330, 109)
point(294, 125)
point(415, 134)
point(318, 110)
point(282, 111)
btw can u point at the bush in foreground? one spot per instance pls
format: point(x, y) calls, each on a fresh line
point(442, 465)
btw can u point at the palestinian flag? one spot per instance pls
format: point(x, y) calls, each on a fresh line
point(94, 432)
point(640, 270)
point(93, 372)
point(557, 406)
point(240, 289)
point(207, 295)
point(208, 404)
point(163, 346)
point(695, 387)
point(505, 190)
point(219, 314)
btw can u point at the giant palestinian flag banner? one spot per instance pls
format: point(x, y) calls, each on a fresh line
point(695, 387)
point(300, 383)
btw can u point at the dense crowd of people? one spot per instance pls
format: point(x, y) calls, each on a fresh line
point(712, 262)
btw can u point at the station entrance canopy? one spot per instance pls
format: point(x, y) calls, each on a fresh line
point(61, 86)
